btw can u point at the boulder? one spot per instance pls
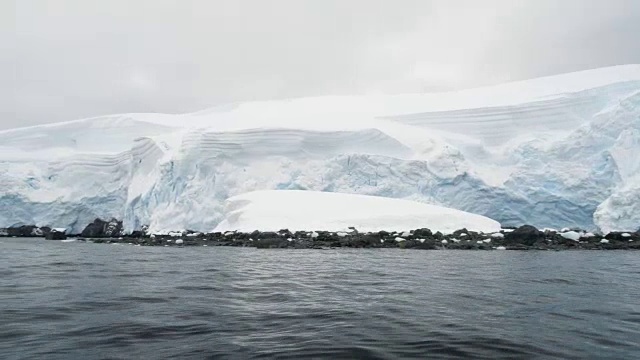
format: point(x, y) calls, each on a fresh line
point(267, 235)
point(56, 235)
point(271, 243)
point(618, 236)
point(422, 233)
point(22, 231)
point(100, 229)
point(526, 235)
point(461, 233)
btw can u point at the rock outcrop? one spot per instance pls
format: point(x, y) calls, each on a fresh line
point(101, 229)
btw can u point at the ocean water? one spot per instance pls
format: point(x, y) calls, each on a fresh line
point(96, 301)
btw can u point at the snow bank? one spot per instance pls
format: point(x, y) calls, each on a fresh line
point(312, 210)
point(571, 235)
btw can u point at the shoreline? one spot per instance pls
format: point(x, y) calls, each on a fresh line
point(523, 238)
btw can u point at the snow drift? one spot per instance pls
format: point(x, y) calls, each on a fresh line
point(299, 210)
point(552, 152)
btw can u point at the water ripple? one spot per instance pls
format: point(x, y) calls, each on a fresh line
point(97, 302)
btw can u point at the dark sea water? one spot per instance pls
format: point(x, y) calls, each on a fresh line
point(97, 301)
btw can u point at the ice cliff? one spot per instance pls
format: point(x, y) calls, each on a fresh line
point(552, 152)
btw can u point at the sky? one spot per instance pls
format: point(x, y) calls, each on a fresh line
point(69, 59)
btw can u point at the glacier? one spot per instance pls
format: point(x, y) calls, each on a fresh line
point(559, 151)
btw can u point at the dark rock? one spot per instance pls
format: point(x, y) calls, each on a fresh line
point(523, 238)
point(618, 237)
point(422, 233)
point(23, 231)
point(241, 236)
point(285, 233)
point(99, 228)
point(271, 243)
point(526, 234)
point(457, 233)
point(267, 235)
point(56, 235)
point(427, 244)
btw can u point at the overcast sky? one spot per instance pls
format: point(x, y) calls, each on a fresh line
point(64, 59)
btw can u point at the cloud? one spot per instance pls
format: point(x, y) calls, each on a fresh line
point(68, 59)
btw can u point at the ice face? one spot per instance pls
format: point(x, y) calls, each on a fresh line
point(551, 152)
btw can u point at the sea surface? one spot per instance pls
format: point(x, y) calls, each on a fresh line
point(80, 300)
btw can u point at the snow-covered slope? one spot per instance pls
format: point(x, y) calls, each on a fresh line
point(299, 210)
point(552, 152)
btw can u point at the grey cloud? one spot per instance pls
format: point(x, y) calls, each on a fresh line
point(65, 59)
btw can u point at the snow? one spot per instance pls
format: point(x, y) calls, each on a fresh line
point(551, 152)
point(604, 241)
point(571, 235)
point(501, 248)
point(497, 235)
point(271, 210)
point(179, 242)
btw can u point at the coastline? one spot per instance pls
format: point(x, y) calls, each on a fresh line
point(523, 238)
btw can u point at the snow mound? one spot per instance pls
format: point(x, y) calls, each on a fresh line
point(299, 210)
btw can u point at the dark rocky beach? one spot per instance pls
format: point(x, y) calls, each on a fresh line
point(522, 238)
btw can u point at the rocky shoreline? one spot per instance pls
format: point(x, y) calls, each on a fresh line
point(523, 238)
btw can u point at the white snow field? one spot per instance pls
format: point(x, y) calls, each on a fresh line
point(298, 210)
point(559, 151)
